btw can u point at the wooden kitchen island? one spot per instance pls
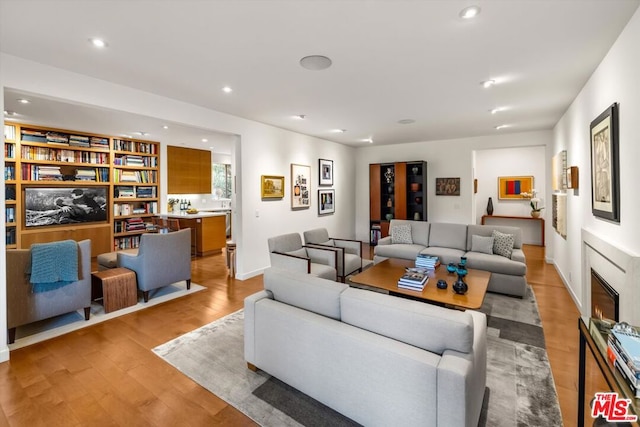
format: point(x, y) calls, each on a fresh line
point(208, 230)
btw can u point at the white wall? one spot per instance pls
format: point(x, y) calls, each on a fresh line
point(615, 80)
point(448, 158)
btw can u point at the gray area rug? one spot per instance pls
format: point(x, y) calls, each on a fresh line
point(520, 389)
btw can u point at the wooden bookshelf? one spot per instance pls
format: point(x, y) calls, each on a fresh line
point(46, 159)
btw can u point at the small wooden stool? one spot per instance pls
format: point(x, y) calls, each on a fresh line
point(231, 257)
point(116, 286)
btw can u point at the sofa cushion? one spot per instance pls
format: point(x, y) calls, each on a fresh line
point(419, 230)
point(503, 243)
point(487, 230)
point(495, 264)
point(426, 326)
point(446, 235)
point(401, 234)
point(398, 251)
point(482, 244)
point(305, 291)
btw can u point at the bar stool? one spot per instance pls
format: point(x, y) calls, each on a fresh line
point(231, 258)
point(173, 224)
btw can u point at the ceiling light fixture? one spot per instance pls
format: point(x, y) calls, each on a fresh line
point(205, 140)
point(369, 140)
point(501, 127)
point(339, 130)
point(165, 127)
point(227, 89)
point(315, 62)
point(141, 133)
point(97, 42)
point(469, 12)
point(9, 113)
point(23, 101)
point(406, 121)
point(487, 83)
point(496, 110)
point(300, 116)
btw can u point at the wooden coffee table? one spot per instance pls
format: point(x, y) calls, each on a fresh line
point(385, 275)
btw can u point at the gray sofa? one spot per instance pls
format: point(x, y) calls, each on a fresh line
point(451, 241)
point(377, 359)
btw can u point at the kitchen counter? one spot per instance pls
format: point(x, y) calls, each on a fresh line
point(200, 214)
point(208, 230)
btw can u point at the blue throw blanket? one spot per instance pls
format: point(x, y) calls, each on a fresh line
point(53, 265)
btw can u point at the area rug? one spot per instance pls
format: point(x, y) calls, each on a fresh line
point(65, 323)
point(520, 389)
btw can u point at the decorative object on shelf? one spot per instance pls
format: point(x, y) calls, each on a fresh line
point(490, 206)
point(605, 175)
point(460, 286)
point(558, 171)
point(573, 177)
point(415, 186)
point(463, 260)
point(272, 186)
point(442, 284)
point(300, 186)
point(533, 202)
point(389, 216)
point(416, 216)
point(388, 175)
point(418, 200)
point(326, 202)
point(389, 203)
point(511, 187)
point(447, 186)
point(325, 170)
point(390, 188)
point(451, 268)
point(415, 170)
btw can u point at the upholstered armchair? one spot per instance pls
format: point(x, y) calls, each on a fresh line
point(162, 259)
point(287, 252)
point(25, 306)
point(349, 251)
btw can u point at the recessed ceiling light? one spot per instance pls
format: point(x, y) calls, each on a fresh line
point(205, 140)
point(339, 130)
point(496, 110)
point(23, 101)
point(9, 113)
point(300, 117)
point(406, 121)
point(369, 140)
point(99, 43)
point(469, 12)
point(227, 89)
point(501, 127)
point(487, 83)
point(141, 133)
point(165, 127)
point(315, 62)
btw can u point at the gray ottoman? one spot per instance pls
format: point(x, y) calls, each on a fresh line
point(109, 259)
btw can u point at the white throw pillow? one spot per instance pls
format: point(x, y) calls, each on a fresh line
point(483, 244)
point(503, 243)
point(401, 234)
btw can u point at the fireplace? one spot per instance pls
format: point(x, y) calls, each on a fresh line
point(604, 299)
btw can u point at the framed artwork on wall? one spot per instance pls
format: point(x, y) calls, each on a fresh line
point(300, 186)
point(447, 186)
point(272, 186)
point(605, 176)
point(510, 187)
point(558, 171)
point(326, 202)
point(325, 168)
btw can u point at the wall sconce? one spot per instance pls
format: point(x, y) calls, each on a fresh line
point(572, 177)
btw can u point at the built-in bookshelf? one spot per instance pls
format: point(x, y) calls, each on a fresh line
point(119, 178)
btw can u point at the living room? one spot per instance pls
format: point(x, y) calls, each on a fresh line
point(613, 80)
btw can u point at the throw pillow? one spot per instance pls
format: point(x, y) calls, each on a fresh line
point(503, 243)
point(483, 244)
point(401, 234)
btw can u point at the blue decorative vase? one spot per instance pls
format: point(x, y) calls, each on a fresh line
point(461, 270)
point(451, 267)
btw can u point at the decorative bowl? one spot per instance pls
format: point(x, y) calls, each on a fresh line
point(442, 284)
point(461, 270)
point(451, 267)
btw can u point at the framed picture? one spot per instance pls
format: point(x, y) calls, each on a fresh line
point(325, 170)
point(326, 202)
point(605, 176)
point(559, 171)
point(447, 186)
point(64, 205)
point(272, 186)
point(300, 186)
point(510, 187)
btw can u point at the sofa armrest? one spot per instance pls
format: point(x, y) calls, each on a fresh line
point(385, 241)
point(249, 323)
point(518, 255)
point(290, 262)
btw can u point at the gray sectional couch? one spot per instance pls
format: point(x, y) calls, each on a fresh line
point(451, 241)
point(378, 359)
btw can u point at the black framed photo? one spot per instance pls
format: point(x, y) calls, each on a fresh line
point(605, 173)
point(325, 168)
point(64, 205)
point(326, 202)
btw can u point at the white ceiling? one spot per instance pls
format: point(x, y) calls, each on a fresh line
point(392, 60)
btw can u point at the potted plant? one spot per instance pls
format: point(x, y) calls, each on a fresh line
point(534, 203)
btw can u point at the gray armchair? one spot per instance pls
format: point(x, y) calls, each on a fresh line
point(349, 251)
point(24, 306)
point(287, 252)
point(162, 259)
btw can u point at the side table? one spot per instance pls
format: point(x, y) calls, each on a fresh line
point(116, 286)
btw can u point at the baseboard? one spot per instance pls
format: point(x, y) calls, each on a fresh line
point(4, 353)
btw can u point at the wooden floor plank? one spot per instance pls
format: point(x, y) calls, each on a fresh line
point(107, 374)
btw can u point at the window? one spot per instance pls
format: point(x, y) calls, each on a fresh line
point(221, 180)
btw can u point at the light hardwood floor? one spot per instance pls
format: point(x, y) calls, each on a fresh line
point(107, 375)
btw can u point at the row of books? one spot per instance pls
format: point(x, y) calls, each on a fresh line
point(9, 172)
point(62, 155)
point(9, 151)
point(128, 242)
point(623, 350)
point(10, 234)
point(414, 279)
point(41, 173)
point(135, 224)
point(124, 209)
point(92, 174)
point(430, 262)
point(376, 234)
point(135, 160)
point(60, 138)
point(10, 213)
point(9, 132)
point(134, 146)
point(145, 177)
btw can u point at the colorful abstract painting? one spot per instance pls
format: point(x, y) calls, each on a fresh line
point(510, 187)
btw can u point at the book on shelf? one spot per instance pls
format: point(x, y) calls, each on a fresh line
point(9, 132)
